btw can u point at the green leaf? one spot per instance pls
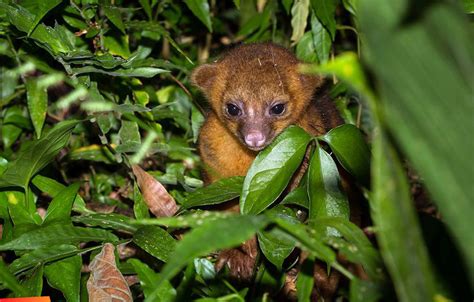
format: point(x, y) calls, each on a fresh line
point(359, 249)
point(140, 209)
point(299, 17)
point(148, 280)
point(37, 98)
point(308, 240)
point(113, 14)
point(272, 170)
point(65, 276)
point(34, 281)
point(305, 50)
point(129, 132)
point(468, 6)
point(192, 219)
point(57, 234)
point(42, 255)
point(39, 153)
point(108, 221)
point(200, 9)
point(298, 196)
point(9, 281)
point(220, 191)
point(325, 11)
point(430, 62)
point(146, 7)
point(155, 241)
point(42, 8)
point(59, 210)
point(321, 39)
point(145, 72)
point(204, 239)
point(237, 3)
point(53, 188)
point(326, 198)
point(275, 244)
point(305, 281)
point(287, 5)
point(350, 149)
point(398, 232)
point(366, 291)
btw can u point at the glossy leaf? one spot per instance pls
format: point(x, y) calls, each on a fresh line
point(42, 8)
point(305, 281)
point(192, 219)
point(40, 152)
point(272, 170)
point(107, 221)
point(155, 241)
point(220, 191)
point(33, 282)
point(398, 231)
point(365, 291)
point(326, 197)
point(57, 234)
point(65, 275)
point(59, 210)
point(275, 244)
point(200, 9)
point(203, 239)
point(37, 98)
point(350, 149)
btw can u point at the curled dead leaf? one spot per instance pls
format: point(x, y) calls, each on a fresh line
point(106, 283)
point(158, 200)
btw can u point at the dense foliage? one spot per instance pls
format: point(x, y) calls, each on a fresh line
point(91, 89)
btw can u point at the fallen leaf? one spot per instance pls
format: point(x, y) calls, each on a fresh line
point(158, 200)
point(106, 283)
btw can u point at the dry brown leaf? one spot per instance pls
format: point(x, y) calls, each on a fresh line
point(106, 283)
point(155, 195)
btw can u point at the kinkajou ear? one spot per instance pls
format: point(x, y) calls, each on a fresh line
point(204, 76)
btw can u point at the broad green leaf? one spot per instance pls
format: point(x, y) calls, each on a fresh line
point(42, 8)
point(113, 14)
point(398, 233)
point(325, 11)
point(305, 281)
point(220, 191)
point(200, 9)
point(145, 72)
point(53, 188)
point(39, 153)
point(109, 221)
point(42, 255)
point(33, 282)
point(192, 219)
point(350, 149)
point(204, 268)
point(275, 244)
point(140, 209)
point(37, 98)
point(326, 197)
point(57, 234)
point(148, 280)
point(430, 63)
point(97, 153)
point(155, 241)
point(204, 239)
point(65, 276)
point(9, 281)
point(59, 210)
point(321, 39)
point(272, 170)
point(299, 17)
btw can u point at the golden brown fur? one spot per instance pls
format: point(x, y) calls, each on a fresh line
point(255, 76)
